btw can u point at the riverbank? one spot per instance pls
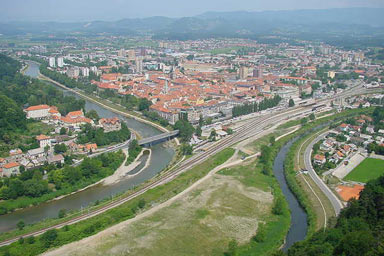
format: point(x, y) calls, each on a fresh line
point(124, 170)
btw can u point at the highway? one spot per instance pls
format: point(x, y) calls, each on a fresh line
point(335, 201)
point(253, 127)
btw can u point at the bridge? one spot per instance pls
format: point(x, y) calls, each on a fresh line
point(150, 141)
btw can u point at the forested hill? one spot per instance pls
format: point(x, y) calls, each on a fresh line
point(17, 92)
point(28, 92)
point(359, 229)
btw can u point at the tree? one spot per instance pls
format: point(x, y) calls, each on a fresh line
point(60, 148)
point(20, 225)
point(201, 121)
point(291, 103)
point(185, 130)
point(62, 213)
point(63, 131)
point(49, 237)
point(144, 104)
point(278, 207)
point(304, 121)
point(312, 116)
point(261, 233)
point(272, 140)
point(198, 131)
point(21, 240)
point(232, 248)
point(212, 136)
point(31, 240)
point(141, 203)
point(186, 149)
point(93, 115)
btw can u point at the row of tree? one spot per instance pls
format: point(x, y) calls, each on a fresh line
point(255, 107)
point(31, 184)
point(91, 134)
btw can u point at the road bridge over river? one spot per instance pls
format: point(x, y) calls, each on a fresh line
point(150, 141)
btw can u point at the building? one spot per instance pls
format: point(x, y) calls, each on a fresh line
point(243, 72)
point(44, 140)
point(12, 168)
point(37, 112)
point(73, 72)
point(258, 72)
point(110, 124)
point(85, 71)
point(319, 159)
point(121, 53)
point(52, 62)
point(131, 55)
point(60, 62)
point(139, 65)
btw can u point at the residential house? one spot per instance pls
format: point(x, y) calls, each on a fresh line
point(12, 168)
point(110, 124)
point(44, 141)
point(319, 159)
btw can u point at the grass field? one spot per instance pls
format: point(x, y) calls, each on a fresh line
point(367, 170)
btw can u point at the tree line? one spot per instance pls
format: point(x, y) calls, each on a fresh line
point(255, 107)
point(97, 135)
point(31, 188)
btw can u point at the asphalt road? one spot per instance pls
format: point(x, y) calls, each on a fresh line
point(335, 201)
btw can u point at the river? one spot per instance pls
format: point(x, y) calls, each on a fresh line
point(160, 158)
point(299, 226)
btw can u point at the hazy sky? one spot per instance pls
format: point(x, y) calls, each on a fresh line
point(89, 10)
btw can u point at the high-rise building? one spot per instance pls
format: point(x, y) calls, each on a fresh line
point(143, 52)
point(139, 65)
point(258, 72)
point(121, 53)
point(94, 69)
point(60, 62)
point(73, 72)
point(131, 55)
point(243, 72)
point(52, 62)
point(85, 71)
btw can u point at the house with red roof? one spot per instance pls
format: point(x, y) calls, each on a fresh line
point(44, 140)
point(12, 168)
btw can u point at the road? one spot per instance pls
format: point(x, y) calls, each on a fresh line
point(335, 201)
point(252, 128)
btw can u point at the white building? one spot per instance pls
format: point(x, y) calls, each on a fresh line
point(44, 140)
point(60, 62)
point(38, 112)
point(52, 62)
point(11, 169)
point(85, 71)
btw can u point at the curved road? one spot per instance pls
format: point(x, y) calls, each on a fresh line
point(335, 201)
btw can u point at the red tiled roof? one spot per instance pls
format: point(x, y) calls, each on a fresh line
point(11, 165)
point(37, 107)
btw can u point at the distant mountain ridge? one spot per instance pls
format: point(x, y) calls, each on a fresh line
point(333, 22)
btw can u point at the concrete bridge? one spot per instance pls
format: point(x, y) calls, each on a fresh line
point(148, 142)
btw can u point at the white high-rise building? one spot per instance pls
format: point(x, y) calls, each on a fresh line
point(52, 62)
point(85, 71)
point(94, 69)
point(139, 65)
point(60, 62)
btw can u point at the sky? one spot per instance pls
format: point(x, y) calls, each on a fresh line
point(90, 10)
